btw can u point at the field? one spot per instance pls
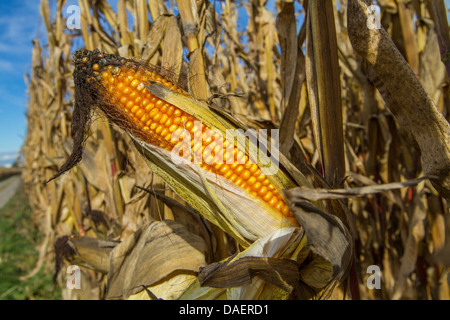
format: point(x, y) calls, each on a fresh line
point(8, 172)
point(350, 103)
point(19, 254)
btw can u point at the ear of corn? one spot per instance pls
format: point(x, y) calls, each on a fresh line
point(158, 114)
point(158, 118)
point(215, 197)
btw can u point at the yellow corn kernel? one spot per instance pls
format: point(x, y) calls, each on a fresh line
point(157, 117)
point(139, 113)
point(246, 174)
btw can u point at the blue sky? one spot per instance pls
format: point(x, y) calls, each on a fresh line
point(20, 23)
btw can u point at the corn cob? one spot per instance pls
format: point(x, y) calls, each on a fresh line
point(120, 90)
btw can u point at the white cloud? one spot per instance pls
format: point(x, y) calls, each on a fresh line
point(19, 28)
point(8, 156)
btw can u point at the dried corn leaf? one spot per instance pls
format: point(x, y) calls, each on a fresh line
point(154, 253)
point(172, 47)
point(284, 243)
point(154, 39)
point(416, 232)
point(88, 252)
point(187, 216)
point(327, 236)
point(317, 273)
point(287, 35)
point(169, 288)
point(327, 194)
point(283, 273)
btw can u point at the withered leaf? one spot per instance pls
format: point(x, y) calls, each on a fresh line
point(88, 252)
point(151, 254)
point(323, 194)
point(327, 235)
point(283, 273)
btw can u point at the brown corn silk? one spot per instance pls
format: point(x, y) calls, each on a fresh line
point(118, 87)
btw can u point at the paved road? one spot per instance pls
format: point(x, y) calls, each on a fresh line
point(8, 187)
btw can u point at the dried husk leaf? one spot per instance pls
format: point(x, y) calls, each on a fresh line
point(166, 289)
point(282, 273)
point(317, 273)
point(327, 236)
point(152, 255)
point(283, 243)
point(88, 252)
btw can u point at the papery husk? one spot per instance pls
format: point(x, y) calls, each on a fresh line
point(284, 243)
point(160, 259)
point(169, 289)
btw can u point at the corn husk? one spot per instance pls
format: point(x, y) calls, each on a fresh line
point(282, 243)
